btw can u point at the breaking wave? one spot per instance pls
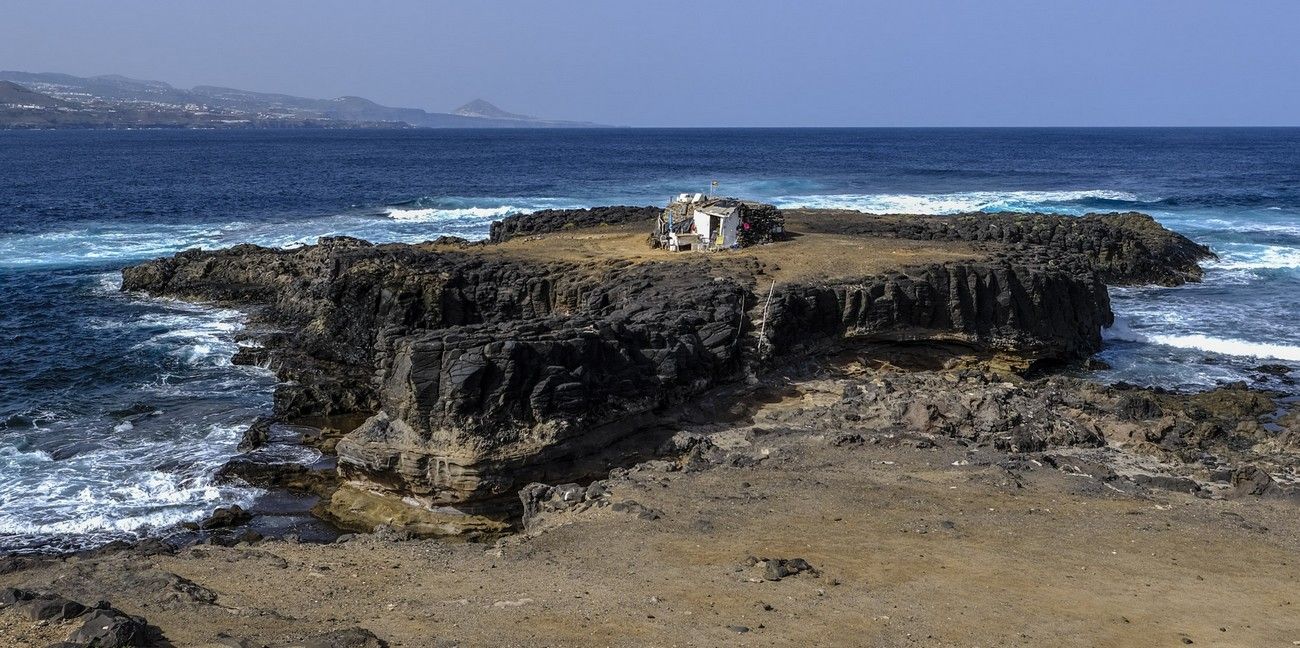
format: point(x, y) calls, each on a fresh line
point(1256, 257)
point(1206, 343)
point(430, 214)
point(971, 201)
point(114, 426)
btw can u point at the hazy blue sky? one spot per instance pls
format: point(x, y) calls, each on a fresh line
point(702, 62)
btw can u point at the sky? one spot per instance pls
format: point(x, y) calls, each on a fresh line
point(709, 62)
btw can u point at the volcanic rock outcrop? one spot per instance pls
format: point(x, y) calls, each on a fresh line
point(1125, 249)
point(483, 372)
point(552, 220)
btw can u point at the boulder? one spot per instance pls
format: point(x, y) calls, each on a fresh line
point(49, 608)
point(110, 628)
point(224, 517)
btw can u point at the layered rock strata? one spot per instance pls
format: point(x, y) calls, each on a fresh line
point(483, 372)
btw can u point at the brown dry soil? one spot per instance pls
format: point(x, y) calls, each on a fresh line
point(16, 632)
point(815, 251)
point(918, 543)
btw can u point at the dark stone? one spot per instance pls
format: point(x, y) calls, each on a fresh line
point(111, 628)
point(224, 517)
point(50, 608)
point(1138, 407)
point(847, 439)
point(256, 435)
point(290, 476)
point(11, 595)
point(775, 569)
point(1252, 481)
point(1167, 482)
point(553, 220)
point(349, 638)
point(1276, 370)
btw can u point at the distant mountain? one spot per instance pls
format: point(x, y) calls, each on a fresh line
point(50, 100)
point(481, 108)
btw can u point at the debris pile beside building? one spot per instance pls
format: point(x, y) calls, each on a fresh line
point(707, 223)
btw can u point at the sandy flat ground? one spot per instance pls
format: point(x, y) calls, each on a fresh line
point(808, 255)
point(933, 546)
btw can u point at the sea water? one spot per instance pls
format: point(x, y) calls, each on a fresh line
point(116, 409)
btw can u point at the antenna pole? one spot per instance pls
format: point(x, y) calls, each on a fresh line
point(763, 327)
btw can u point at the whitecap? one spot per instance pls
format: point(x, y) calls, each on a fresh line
point(953, 203)
point(432, 214)
point(1256, 257)
point(1224, 346)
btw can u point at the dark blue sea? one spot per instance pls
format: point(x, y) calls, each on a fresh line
point(115, 409)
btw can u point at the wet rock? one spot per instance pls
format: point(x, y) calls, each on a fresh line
point(224, 517)
point(290, 476)
point(256, 435)
point(1276, 370)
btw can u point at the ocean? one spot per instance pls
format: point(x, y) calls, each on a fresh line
point(116, 409)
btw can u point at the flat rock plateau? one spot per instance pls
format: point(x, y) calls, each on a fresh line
point(878, 431)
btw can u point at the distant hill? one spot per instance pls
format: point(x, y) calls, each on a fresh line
point(51, 100)
point(13, 95)
point(481, 108)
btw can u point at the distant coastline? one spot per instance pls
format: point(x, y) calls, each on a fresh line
point(31, 100)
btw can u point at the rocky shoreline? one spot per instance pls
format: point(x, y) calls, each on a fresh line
point(523, 390)
point(474, 373)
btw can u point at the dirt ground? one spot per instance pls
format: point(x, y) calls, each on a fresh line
point(915, 544)
point(808, 255)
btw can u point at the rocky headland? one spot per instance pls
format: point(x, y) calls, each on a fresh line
point(478, 370)
point(678, 434)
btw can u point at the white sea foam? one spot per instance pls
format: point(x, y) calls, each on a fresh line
point(433, 215)
point(952, 203)
point(114, 490)
point(1229, 346)
point(411, 222)
point(1256, 257)
point(1225, 346)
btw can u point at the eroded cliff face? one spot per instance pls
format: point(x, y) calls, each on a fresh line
point(483, 372)
point(470, 414)
point(1039, 312)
